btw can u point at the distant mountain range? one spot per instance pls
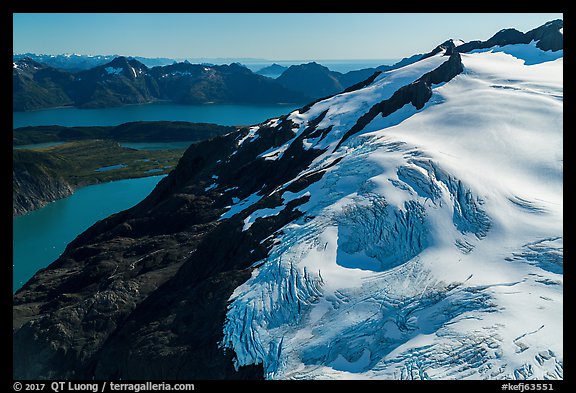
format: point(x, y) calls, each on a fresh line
point(272, 71)
point(75, 62)
point(42, 81)
point(128, 81)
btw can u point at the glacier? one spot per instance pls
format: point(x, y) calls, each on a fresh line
point(432, 246)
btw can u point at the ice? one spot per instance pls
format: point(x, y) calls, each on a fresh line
point(529, 53)
point(434, 248)
point(356, 366)
point(344, 109)
point(239, 206)
point(250, 135)
point(211, 187)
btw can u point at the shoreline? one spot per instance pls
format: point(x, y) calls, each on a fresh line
point(79, 186)
point(170, 102)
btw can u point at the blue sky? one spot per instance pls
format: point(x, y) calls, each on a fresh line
point(279, 36)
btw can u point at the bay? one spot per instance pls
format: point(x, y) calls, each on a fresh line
point(224, 114)
point(40, 236)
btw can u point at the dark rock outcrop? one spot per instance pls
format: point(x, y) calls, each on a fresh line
point(547, 37)
point(35, 182)
point(160, 272)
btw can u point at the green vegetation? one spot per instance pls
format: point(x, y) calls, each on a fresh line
point(78, 162)
point(90, 155)
point(141, 131)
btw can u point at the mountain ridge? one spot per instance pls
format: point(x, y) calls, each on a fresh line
point(127, 81)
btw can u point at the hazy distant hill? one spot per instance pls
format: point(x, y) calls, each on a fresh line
point(272, 71)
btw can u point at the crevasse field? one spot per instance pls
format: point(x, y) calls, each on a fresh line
point(433, 245)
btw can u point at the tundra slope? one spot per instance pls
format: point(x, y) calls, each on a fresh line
point(409, 228)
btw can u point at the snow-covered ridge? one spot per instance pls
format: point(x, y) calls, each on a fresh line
point(432, 246)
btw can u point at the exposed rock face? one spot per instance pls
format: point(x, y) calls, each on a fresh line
point(118, 278)
point(547, 37)
point(35, 184)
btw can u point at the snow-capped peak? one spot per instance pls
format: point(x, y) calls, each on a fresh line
point(457, 42)
point(431, 245)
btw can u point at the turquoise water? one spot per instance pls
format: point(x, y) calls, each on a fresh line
point(42, 235)
point(228, 115)
point(109, 168)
